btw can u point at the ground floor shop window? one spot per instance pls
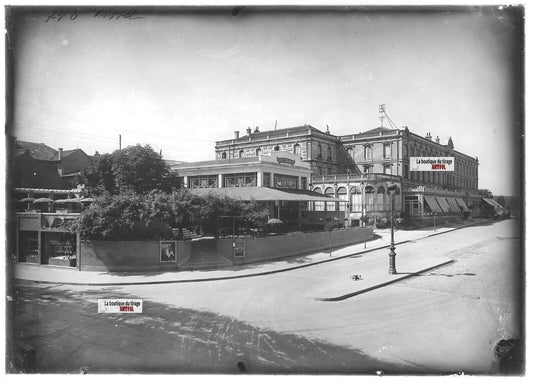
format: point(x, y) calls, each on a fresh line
point(203, 181)
point(285, 181)
point(28, 246)
point(240, 180)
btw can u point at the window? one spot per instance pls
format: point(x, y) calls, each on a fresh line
point(350, 152)
point(329, 171)
point(296, 149)
point(266, 179)
point(258, 151)
point(368, 152)
point(224, 155)
point(303, 182)
point(387, 151)
point(387, 169)
point(330, 206)
point(368, 169)
point(241, 153)
point(285, 181)
point(342, 194)
point(240, 180)
point(319, 168)
point(329, 153)
point(319, 151)
point(203, 181)
point(276, 148)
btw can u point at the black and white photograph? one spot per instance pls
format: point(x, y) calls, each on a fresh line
point(265, 190)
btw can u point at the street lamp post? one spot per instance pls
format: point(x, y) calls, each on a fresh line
point(392, 255)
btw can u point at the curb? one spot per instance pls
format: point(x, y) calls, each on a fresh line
point(352, 294)
point(239, 276)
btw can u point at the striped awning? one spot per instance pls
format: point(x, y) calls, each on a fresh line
point(462, 203)
point(453, 205)
point(443, 204)
point(432, 203)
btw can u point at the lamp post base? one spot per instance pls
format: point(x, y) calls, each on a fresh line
point(392, 261)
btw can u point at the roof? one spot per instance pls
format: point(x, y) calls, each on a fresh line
point(37, 150)
point(66, 153)
point(281, 132)
point(265, 194)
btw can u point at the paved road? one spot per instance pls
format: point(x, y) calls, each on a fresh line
point(447, 320)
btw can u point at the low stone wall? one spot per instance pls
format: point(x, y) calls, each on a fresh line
point(276, 247)
point(117, 256)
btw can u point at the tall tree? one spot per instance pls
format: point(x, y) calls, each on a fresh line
point(136, 169)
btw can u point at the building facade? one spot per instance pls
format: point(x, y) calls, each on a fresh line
point(359, 169)
point(323, 151)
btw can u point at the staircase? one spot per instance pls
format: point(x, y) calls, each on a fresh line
point(204, 255)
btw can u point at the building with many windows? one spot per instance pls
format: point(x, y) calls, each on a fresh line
point(279, 178)
point(359, 168)
point(323, 151)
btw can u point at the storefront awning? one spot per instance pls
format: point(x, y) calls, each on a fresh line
point(432, 203)
point(453, 205)
point(443, 204)
point(265, 194)
point(494, 203)
point(462, 203)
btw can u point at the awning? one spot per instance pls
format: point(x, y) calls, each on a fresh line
point(432, 203)
point(494, 203)
point(453, 205)
point(443, 204)
point(265, 194)
point(462, 203)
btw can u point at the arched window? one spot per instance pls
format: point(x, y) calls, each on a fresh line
point(241, 153)
point(369, 190)
point(224, 155)
point(258, 151)
point(381, 190)
point(342, 194)
point(317, 189)
point(330, 206)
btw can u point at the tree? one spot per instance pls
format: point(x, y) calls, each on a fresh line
point(137, 169)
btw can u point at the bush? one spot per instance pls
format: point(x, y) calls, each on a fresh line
point(131, 216)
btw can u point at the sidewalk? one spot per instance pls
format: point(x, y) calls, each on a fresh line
point(371, 280)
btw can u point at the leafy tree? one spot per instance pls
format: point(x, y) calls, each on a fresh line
point(137, 169)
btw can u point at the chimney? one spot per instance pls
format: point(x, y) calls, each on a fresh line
point(248, 131)
point(437, 140)
point(237, 134)
point(60, 154)
point(428, 136)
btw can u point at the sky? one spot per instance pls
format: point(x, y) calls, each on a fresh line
point(182, 80)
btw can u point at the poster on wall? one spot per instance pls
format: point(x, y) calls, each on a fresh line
point(168, 251)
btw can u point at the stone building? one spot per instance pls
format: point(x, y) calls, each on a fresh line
point(323, 151)
point(359, 168)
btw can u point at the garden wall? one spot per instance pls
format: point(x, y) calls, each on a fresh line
point(277, 247)
point(117, 256)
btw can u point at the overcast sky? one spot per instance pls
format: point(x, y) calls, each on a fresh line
point(180, 81)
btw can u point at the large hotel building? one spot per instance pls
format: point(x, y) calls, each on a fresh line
point(358, 168)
